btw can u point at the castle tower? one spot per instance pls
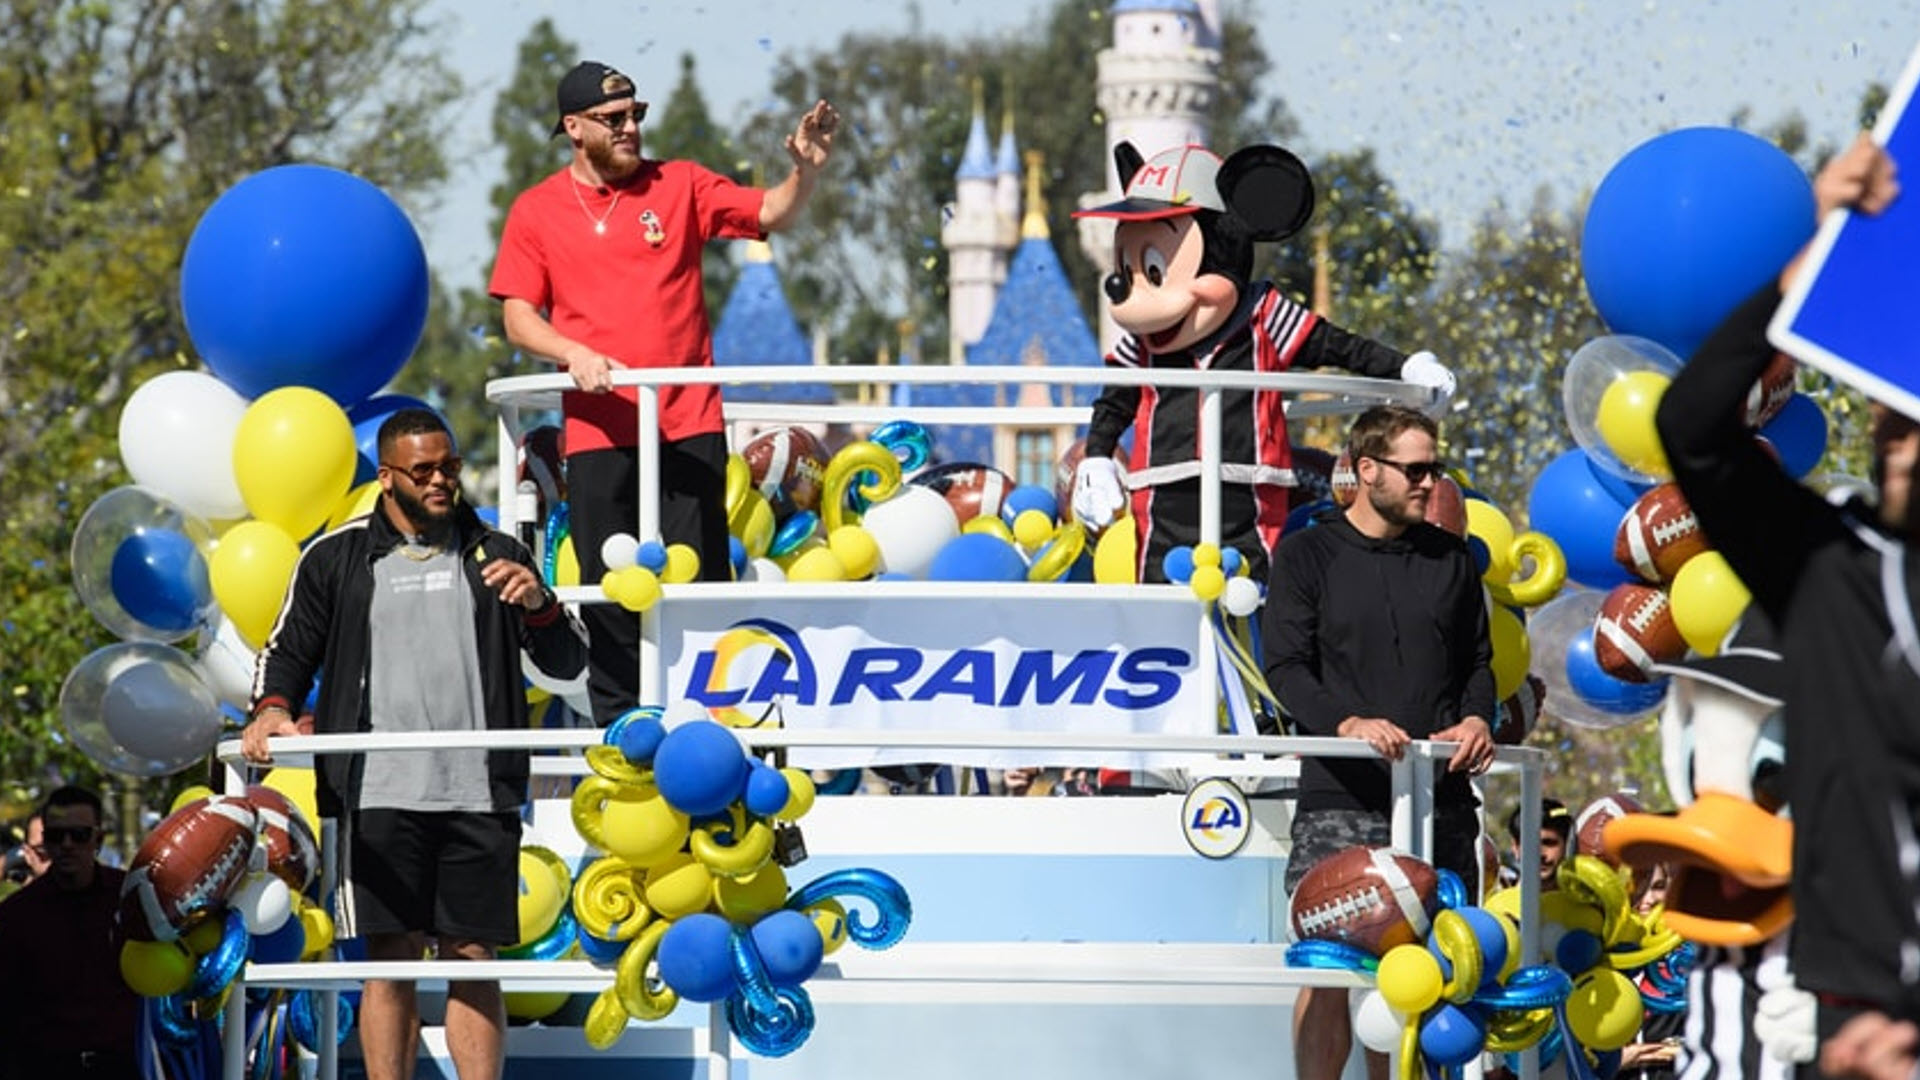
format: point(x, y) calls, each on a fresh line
point(977, 238)
point(1156, 84)
point(1006, 162)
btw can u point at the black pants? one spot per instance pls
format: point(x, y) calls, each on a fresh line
point(1173, 520)
point(603, 489)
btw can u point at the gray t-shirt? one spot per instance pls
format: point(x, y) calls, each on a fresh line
point(424, 675)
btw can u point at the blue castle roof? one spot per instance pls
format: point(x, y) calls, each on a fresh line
point(977, 162)
point(1175, 7)
point(757, 327)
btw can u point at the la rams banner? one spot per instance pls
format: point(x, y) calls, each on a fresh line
point(973, 664)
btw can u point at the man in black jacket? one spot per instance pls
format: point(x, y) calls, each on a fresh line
point(1376, 629)
point(418, 614)
point(1837, 583)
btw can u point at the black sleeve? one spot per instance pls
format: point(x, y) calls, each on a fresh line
point(553, 637)
point(1760, 519)
point(1328, 345)
point(1113, 413)
point(1290, 636)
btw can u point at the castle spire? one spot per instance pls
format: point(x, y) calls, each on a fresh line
point(1034, 225)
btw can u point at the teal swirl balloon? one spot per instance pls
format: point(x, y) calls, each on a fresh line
point(216, 969)
point(1538, 987)
point(910, 442)
point(303, 1019)
point(172, 1018)
point(768, 1020)
point(889, 898)
point(552, 945)
point(1331, 955)
point(559, 527)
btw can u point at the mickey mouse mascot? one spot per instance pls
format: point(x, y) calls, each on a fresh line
point(1183, 253)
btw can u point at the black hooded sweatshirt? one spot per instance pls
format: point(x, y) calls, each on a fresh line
point(1393, 628)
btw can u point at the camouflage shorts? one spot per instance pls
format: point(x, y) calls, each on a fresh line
point(1320, 833)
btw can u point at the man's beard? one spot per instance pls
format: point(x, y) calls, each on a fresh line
point(429, 520)
point(610, 167)
point(1400, 514)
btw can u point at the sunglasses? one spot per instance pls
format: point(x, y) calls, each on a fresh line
point(1416, 472)
point(614, 121)
point(424, 471)
point(68, 834)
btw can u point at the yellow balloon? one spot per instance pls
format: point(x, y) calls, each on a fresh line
point(678, 886)
point(192, 793)
point(683, 565)
point(800, 794)
point(1625, 422)
point(1052, 562)
point(249, 572)
point(1512, 652)
point(155, 968)
point(856, 550)
point(318, 928)
point(830, 918)
point(817, 563)
point(1543, 582)
point(1208, 582)
point(854, 460)
point(751, 520)
point(535, 1004)
point(638, 588)
point(204, 936)
point(640, 826)
point(1707, 598)
point(1486, 523)
point(1206, 555)
point(1410, 979)
point(1032, 528)
point(989, 524)
point(1604, 1010)
point(566, 563)
point(744, 899)
point(1116, 554)
point(297, 784)
point(542, 895)
point(293, 458)
point(356, 503)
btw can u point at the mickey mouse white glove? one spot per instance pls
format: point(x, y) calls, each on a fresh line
point(1425, 369)
point(1098, 491)
point(1784, 1022)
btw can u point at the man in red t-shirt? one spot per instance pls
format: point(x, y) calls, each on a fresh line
point(599, 269)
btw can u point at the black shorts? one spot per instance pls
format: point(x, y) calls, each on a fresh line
point(453, 874)
point(1320, 833)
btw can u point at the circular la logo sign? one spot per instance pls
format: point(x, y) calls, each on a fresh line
point(1214, 818)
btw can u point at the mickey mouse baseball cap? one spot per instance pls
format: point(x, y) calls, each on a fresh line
point(588, 84)
point(1183, 180)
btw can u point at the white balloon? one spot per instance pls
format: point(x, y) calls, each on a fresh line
point(263, 901)
point(226, 664)
point(910, 528)
point(1242, 596)
point(176, 437)
point(619, 551)
point(763, 569)
point(1376, 1024)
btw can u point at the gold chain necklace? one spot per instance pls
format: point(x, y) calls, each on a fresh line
point(599, 223)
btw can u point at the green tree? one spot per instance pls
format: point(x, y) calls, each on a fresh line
point(119, 123)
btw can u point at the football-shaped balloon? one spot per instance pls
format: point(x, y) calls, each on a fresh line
point(1342, 480)
point(971, 489)
point(787, 465)
point(1771, 391)
point(1658, 535)
point(1370, 898)
point(188, 864)
point(1591, 826)
point(1634, 631)
point(1520, 712)
point(292, 852)
point(1447, 507)
point(542, 459)
point(1063, 471)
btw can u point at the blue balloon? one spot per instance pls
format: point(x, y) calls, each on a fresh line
point(638, 733)
point(1029, 497)
point(1799, 434)
point(1492, 936)
point(282, 946)
point(160, 578)
point(302, 275)
point(488, 514)
point(1601, 690)
point(977, 557)
point(1301, 517)
point(767, 788)
point(1452, 1035)
point(1686, 226)
point(700, 767)
point(1178, 564)
point(1230, 560)
point(695, 958)
point(737, 555)
point(651, 554)
point(1578, 951)
point(366, 418)
point(790, 947)
point(1569, 503)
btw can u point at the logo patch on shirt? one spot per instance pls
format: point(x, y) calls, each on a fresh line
point(650, 223)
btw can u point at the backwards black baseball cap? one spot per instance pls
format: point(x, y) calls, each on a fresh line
point(588, 84)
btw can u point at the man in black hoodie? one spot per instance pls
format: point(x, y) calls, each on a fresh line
point(1376, 629)
point(1837, 582)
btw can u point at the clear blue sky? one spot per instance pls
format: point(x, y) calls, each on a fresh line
point(1465, 102)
